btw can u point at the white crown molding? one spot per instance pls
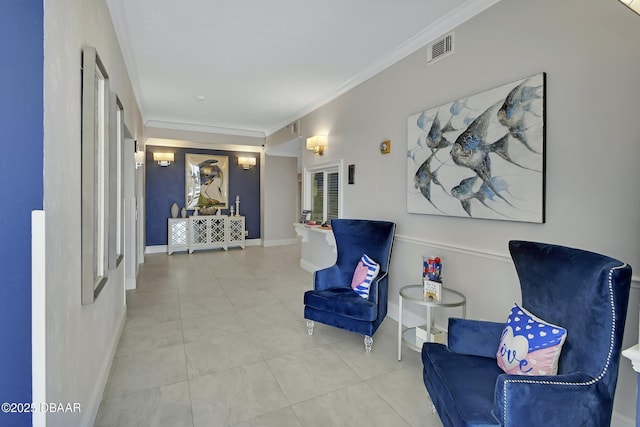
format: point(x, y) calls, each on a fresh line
point(194, 127)
point(161, 142)
point(461, 14)
point(455, 18)
point(119, 21)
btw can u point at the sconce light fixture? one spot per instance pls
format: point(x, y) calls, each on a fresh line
point(163, 159)
point(317, 144)
point(247, 162)
point(139, 159)
point(632, 4)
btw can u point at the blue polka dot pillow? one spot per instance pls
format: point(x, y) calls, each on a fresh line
point(366, 270)
point(529, 345)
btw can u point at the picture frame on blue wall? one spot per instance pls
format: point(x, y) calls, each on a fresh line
point(206, 181)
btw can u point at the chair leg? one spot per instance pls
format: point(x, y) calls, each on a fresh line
point(368, 342)
point(310, 325)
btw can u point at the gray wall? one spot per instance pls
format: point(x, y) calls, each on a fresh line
point(280, 208)
point(589, 50)
point(81, 339)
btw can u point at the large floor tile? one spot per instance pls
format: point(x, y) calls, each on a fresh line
point(144, 298)
point(203, 327)
point(136, 338)
point(155, 283)
point(404, 391)
point(141, 371)
point(201, 291)
point(166, 406)
point(220, 353)
point(233, 395)
point(382, 359)
point(284, 417)
point(243, 298)
point(195, 306)
point(267, 316)
point(353, 406)
point(283, 339)
point(218, 338)
point(152, 314)
point(311, 373)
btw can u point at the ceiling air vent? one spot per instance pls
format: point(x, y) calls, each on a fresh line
point(440, 48)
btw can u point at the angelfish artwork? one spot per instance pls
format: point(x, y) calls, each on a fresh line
point(206, 181)
point(481, 156)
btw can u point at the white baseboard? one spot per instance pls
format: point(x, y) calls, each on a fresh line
point(306, 265)
point(618, 420)
point(91, 412)
point(281, 242)
point(157, 249)
point(253, 242)
point(162, 249)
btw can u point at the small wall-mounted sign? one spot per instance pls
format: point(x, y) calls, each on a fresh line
point(385, 147)
point(352, 174)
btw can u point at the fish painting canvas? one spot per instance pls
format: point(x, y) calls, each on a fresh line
point(481, 156)
point(206, 181)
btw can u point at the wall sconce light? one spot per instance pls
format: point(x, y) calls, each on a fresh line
point(139, 159)
point(247, 162)
point(317, 144)
point(163, 159)
point(632, 4)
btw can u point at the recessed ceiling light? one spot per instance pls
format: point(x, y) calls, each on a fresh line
point(200, 98)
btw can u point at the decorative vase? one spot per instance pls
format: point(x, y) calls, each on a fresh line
point(174, 210)
point(183, 212)
point(208, 210)
point(195, 212)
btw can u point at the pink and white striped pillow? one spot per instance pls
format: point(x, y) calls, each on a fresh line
point(366, 270)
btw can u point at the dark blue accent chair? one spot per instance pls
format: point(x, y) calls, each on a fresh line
point(332, 301)
point(582, 291)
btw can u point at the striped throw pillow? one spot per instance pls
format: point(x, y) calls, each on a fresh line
point(366, 270)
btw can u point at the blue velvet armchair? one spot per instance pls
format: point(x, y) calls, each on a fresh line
point(584, 292)
point(332, 300)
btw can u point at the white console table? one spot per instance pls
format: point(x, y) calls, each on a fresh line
point(205, 232)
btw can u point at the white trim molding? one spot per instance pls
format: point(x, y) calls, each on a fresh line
point(635, 280)
point(38, 316)
point(458, 249)
point(454, 19)
point(197, 127)
point(280, 242)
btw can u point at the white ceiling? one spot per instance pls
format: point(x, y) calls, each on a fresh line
point(261, 65)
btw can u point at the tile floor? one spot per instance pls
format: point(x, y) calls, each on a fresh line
point(218, 339)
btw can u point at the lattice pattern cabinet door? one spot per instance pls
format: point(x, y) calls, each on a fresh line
point(236, 231)
point(178, 235)
point(199, 233)
point(207, 232)
point(217, 231)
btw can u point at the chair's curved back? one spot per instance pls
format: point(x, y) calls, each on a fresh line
point(584, 292)
point(355, 237)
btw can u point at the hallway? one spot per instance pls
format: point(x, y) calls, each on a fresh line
point(218, 339)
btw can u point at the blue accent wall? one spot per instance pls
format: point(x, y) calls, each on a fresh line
point(165, 185)
point(21, 181)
